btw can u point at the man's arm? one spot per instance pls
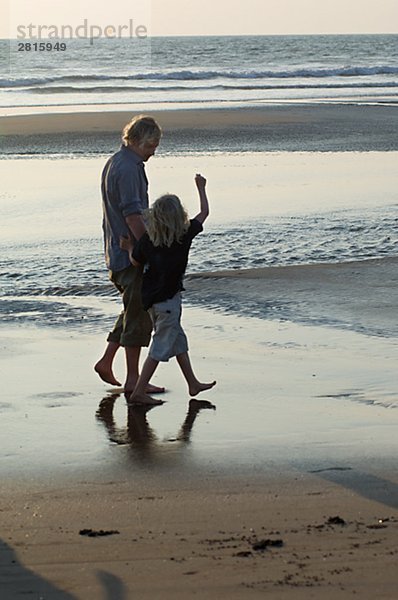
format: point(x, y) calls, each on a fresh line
point(136, 225)
point(131, 203)
point(204, 203)
point(127, 243)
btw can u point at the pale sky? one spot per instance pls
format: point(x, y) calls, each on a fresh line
point(234, 17)
point(210, 17)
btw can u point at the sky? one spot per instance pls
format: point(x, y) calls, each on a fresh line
point(236, 17)
point(210, 17)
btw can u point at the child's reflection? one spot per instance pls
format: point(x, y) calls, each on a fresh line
point(138, 433)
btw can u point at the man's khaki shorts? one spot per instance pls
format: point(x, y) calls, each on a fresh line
point(133, 326)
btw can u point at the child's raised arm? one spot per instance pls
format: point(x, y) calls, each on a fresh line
point(204, 203)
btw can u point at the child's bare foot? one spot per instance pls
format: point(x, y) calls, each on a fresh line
point(198, 387)
point(106, 373)
point(144, 399)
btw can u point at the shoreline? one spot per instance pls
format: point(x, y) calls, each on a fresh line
point(355, 295)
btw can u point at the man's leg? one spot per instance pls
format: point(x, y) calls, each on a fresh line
point(137, 328)
point(132, 362)
point(104, 366)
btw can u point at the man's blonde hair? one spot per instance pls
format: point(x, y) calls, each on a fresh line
point(141, 130)
point(166, 220)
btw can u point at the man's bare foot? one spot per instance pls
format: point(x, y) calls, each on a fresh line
point(150, 389)
point(198, 387)
point(106, 374)
point(144, 399)
point(154, 389)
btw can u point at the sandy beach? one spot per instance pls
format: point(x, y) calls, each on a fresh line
point(269, 127)
point(281, 482)
point(296, 537)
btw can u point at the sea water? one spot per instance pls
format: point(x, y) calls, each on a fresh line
point(51, 247)
point(202, 71)
point(52, 267)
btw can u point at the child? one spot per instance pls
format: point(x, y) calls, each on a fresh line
point(163, 251)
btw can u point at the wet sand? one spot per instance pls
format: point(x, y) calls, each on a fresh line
point(239, 500)
point(267, 127)
point(63, 120)
point(356, 295)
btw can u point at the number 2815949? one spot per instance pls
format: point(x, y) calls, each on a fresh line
point(41, 47)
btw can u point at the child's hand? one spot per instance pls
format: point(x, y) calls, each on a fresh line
point(126, 243)
point(200, 181)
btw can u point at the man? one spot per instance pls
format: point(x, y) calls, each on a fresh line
point(124, 188)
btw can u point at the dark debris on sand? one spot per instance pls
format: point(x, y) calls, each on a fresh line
point(264, 544)
point(98, 533)
point(335, 521)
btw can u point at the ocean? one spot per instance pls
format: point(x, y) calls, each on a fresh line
point(51, 267)
point(212, 71)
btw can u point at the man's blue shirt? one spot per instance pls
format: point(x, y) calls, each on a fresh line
point(124, 188)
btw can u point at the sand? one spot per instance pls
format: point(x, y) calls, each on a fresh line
point(283, 483)
point(174, 501)
point(183, 541)
point(62, 121)
point(267, 127)
point(357, 295)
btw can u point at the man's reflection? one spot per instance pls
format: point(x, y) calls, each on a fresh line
point(138, 433)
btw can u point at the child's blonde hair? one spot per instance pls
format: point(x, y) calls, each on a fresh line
point(166, 220)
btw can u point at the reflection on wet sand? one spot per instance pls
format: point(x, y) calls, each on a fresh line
point(194, 407)
point(138, 433)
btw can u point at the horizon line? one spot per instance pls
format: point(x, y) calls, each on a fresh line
point(175, 35)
